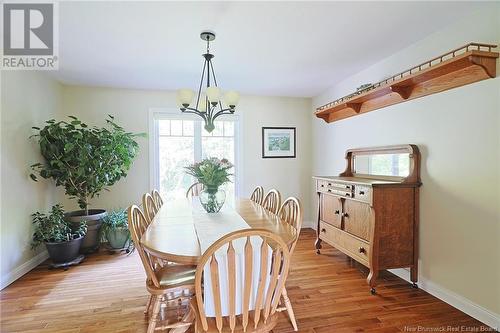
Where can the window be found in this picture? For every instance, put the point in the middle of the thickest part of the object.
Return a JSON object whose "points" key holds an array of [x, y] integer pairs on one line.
{"points": [[179, 140]]}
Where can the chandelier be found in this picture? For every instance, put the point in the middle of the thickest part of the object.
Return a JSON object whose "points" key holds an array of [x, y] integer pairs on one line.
{"points": [[208, 104]]}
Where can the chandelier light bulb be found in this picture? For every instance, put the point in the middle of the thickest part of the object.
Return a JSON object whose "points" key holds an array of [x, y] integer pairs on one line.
{"points": [[213, 94], [231, 98], [185, 97]]}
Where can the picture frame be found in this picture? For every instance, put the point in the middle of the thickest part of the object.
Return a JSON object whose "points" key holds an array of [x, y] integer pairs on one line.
{"points": [[279, 142]]}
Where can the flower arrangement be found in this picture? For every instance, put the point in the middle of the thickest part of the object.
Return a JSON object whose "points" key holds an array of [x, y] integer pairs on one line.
{"points": [[211, 172]]}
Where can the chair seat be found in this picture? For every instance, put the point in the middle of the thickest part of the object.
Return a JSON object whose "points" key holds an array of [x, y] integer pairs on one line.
{"points": [[175, 276]]}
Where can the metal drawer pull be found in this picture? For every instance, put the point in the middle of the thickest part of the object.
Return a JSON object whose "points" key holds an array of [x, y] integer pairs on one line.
{"points": [[337, 212], [345, 215], [348, 194], [323, 230], [361, 192], [362, 250], [329, 190]]}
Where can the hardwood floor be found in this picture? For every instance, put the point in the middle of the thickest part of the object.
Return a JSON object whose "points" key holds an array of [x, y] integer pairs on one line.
{"points": [[106, 293]]}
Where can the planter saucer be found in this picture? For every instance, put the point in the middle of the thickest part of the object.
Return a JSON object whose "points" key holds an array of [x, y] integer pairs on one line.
{"points": [[65, 265]]}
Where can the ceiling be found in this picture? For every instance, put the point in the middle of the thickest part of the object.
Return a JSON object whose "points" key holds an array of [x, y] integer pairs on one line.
{"points": [[262, 48]]}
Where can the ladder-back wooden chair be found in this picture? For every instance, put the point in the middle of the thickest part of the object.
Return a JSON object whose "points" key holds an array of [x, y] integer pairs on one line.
{"points": [[257, 195], [157, 198], [272, 201], [264, 316], [194, 190], [290, 212], [166, 284], [149, 206]]}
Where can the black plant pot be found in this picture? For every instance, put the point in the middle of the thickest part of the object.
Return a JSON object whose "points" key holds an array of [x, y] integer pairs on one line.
{"points": [[64, 252], [92, 239]]}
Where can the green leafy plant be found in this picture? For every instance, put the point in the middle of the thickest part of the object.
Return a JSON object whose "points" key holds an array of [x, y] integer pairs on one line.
{"points": [[116, 219], [84, 160], [211, 172], [52, 227]]}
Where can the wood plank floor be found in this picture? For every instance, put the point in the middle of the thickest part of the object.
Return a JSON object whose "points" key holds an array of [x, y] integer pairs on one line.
{"points": [[106, 293]]}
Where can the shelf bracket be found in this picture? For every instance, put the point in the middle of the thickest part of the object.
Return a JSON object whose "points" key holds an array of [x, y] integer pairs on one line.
{"points": [[403, 91], [356, 107], [488, 64]]}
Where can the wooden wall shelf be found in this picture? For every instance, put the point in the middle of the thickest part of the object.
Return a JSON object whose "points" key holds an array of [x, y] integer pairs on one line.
{"points": [[470, 63]]}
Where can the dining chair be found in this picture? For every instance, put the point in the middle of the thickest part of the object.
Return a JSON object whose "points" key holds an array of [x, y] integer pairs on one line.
{"points": [[272, 201], [263, 316], [290, 212], [166, 284], [150, 207], [257, 195], [194, 190], [157, 198]]}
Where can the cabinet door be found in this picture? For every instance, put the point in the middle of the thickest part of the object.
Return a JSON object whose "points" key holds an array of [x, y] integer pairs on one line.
{"points": [[331, 208], [357, 218]]}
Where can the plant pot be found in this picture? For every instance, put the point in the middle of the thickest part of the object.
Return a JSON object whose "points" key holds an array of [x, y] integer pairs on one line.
{"points": [[212, 199], [65, 251], [118, 238], [91, 241]]}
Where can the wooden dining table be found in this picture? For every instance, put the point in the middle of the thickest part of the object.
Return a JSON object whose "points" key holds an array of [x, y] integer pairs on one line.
{"points": [[172, 234]]}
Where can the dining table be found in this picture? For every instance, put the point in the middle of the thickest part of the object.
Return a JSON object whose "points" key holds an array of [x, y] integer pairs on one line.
{"points": [[173, 234]]}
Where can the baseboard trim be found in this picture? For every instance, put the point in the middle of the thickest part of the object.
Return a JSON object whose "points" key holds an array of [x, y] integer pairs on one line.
{"points": [[457, 301], [19, 271], [308, 224]]}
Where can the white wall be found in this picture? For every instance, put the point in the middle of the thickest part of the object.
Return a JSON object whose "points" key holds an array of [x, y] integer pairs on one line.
{"points": [[28, 99], [131, 108], [458, 132]]}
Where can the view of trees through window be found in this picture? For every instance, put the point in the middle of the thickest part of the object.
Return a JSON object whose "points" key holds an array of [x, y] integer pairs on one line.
{"points": [[182, 142], [383, 164]]}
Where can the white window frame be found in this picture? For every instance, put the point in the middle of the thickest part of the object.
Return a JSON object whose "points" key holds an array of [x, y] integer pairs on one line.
{"points": [[156, 114]]}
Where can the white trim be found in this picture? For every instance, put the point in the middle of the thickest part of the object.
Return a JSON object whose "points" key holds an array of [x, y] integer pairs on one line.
{"points": [[457, 301], [19, 271], [308, 224]]}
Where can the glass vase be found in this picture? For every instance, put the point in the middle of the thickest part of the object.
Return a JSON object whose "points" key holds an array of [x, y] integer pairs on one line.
{"points": [[212, 199]]}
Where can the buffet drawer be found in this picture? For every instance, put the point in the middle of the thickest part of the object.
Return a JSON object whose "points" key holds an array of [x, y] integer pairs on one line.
{"points": [[350, 245], [340, 189]]}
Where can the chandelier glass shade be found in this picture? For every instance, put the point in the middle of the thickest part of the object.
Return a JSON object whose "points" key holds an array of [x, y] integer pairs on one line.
{"points": [[210, 103]]}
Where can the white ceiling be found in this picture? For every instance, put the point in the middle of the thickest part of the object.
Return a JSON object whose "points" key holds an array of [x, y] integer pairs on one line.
{"points": [[262, 48]]}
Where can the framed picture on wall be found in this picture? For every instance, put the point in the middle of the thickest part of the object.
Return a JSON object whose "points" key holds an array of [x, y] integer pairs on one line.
{"points": [[278, 142]]}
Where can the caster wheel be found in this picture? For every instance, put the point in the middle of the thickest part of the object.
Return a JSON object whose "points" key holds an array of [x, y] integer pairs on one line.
{"points": [[372, 291], [414, 285], [127, 251]]}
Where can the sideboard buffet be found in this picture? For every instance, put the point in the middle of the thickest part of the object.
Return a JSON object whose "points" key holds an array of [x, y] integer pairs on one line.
{"points": [[373, 218]]}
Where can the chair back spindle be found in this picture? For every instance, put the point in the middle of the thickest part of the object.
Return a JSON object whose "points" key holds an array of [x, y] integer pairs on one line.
{"points": [[290, 212], [149, 206], [137, 224], [272, 201], [157, 198], [257, 195], [272, 272], [194, 190]]}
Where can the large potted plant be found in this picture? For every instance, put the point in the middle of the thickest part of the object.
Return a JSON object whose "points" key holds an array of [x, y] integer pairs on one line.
{"points": [[85, 161], [115, 229], [212, 173], [62, 240]]}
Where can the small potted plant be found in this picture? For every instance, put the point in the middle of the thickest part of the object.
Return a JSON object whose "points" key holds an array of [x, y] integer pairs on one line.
{"points": [[212, 173], [61, 239], [115, 229], [85, 161]]}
